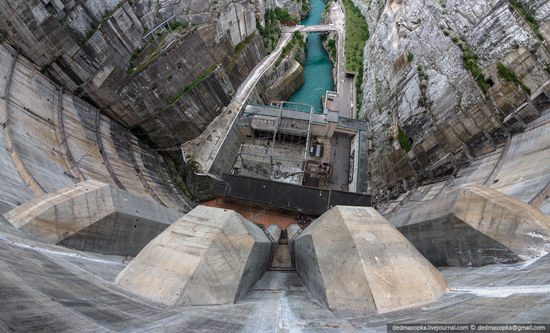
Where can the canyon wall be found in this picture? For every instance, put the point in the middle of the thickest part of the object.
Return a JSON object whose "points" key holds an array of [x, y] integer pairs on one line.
{"points": [[446, 81], [163, 69]]}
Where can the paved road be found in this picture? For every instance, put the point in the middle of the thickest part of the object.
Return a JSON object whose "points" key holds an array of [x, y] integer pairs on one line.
{"points": [[339, 21], [344, 86], [205, 147]]}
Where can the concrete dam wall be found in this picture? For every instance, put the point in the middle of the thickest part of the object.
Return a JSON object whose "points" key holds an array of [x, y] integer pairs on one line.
{"points": [[98, 232], [52, 139]]}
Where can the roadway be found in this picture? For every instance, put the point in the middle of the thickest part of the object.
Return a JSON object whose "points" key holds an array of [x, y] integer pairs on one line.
{"points": [[345, 86], [311, 28], [206, 146]]}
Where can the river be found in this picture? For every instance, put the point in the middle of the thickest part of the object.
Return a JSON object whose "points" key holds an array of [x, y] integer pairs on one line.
{"points": [[318, 67]]}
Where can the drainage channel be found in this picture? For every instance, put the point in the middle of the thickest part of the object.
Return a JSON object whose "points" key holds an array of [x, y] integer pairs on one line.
{"points": [[281, 259]]}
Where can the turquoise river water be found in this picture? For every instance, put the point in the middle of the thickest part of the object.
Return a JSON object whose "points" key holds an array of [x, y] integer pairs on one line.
{"points": [[318, 68]]}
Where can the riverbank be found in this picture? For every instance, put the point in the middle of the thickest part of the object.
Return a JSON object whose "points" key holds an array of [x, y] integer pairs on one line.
{"points": [[318, 75]]}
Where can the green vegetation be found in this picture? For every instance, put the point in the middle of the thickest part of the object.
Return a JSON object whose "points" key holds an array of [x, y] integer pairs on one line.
{"points": [[137, 51], [271, 32], [282, 15], [331, 44], [471, 63], [296, 41], [328, 5], [175, 25], [507, 74], [357, 34], [423, 101], [410, 57], [238, 50], [154, 49], [241, 46], [470, 60], [195, 83], [404, 141], [528, 15], [306, 8]]}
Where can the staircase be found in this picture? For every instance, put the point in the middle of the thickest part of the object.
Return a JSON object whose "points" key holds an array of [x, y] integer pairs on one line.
{"points": [[281, 259]]}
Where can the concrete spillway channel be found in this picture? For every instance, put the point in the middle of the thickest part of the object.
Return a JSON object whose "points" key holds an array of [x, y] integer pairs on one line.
{"points": [[350, 260], [279, 258]]}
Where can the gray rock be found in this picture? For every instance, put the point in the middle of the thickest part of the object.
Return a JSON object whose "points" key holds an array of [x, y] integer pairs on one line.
{"points": [[456, 111]]}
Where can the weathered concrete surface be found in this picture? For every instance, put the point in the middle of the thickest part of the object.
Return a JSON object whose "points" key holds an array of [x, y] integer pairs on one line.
{"points": [[275, 232], [209, 256], [351, 258], [293, 231], [519, 167], [93, 216], [58, 139], [475, 226], [525, 166], [90, 47], [281, 257]]}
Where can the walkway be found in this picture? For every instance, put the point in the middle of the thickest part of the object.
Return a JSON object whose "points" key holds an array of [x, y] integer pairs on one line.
{"points": [[206, 146]]}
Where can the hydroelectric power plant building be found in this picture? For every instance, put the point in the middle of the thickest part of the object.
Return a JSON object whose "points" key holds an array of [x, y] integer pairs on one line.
{"points": [[154, 178]]}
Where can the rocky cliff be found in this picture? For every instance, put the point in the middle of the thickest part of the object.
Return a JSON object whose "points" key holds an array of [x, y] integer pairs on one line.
{"points": [[446, 81], [295, 7], [287, 76], [164, 69]]}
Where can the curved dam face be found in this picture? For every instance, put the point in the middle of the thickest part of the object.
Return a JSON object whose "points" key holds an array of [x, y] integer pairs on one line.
{"points": [[101, 228], [52, 140]]}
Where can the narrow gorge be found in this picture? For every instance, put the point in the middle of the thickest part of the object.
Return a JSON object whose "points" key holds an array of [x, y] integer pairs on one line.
{"points": [[274, 165]]}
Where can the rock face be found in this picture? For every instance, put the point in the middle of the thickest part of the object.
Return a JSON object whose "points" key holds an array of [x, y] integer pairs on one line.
{"points": [[209, 256], [431, 77], [351, 258], [177, 78], [475, 226], [93, 216], [282, 82]]}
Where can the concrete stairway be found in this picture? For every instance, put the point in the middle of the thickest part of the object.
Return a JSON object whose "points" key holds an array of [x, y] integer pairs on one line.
{"points": [[281, 260]]}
